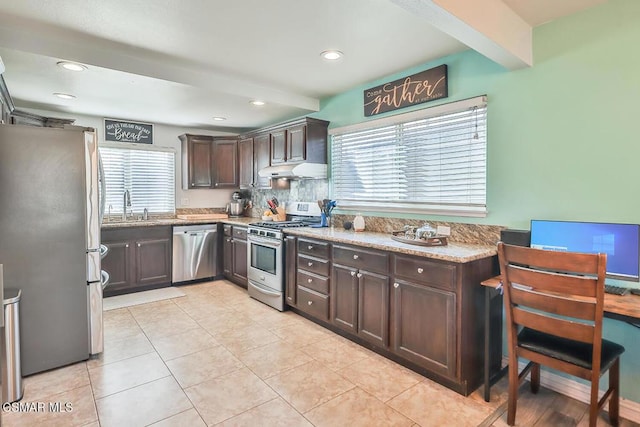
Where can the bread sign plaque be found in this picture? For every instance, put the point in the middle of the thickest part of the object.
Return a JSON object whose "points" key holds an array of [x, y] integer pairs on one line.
{"points": [[122, 131]]}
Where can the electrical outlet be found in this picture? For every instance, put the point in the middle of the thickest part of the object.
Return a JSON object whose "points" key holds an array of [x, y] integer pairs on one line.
{"points": [[443, 230], [184, 201]]}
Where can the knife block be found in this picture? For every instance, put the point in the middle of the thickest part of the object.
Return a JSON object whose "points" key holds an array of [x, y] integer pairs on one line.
{"points": [[281, 216]]}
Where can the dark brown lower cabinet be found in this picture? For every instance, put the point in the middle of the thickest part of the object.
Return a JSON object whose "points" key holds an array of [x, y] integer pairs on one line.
{"points": [[240, 261], [139, 258], [152, 258], [290, 269], [424, 326], [234, 254], [424, 312], [373, 307], [344, 298]]}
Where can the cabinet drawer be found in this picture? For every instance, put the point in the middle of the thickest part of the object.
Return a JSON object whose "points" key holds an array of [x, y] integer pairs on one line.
{"points": [[227, 229], [240, 233], [377, 262], [314, 265], [313, 303], [313, 247], [312, 281], [425, 272]]}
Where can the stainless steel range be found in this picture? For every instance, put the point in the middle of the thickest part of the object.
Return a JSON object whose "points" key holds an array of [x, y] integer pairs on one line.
{"points": [[265, 255]]}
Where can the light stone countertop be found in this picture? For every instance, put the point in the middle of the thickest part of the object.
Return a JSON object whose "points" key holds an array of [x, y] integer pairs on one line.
{"points": [[176, 221], [454, 252]]}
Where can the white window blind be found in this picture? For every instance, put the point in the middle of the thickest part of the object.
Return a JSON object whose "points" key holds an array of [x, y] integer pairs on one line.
{"points": [[432, 161], [149, 175]]}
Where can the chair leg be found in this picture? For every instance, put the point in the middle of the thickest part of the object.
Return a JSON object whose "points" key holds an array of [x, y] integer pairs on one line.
{"points": [[614, 399], [593, 403], [535, 378], [513, 392]]}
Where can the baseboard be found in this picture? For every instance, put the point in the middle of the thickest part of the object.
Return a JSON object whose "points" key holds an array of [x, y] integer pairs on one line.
{"points": [[629, 409]]}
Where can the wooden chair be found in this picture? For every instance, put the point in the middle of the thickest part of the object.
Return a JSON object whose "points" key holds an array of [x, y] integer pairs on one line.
{"points": [[554, 307]]}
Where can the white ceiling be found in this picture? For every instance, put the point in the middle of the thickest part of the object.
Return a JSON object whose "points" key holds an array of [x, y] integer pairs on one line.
{"points": [[183, 62]]}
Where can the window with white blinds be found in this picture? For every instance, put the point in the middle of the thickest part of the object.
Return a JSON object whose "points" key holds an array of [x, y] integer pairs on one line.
{"points": [[149, 175], [428, 161]]}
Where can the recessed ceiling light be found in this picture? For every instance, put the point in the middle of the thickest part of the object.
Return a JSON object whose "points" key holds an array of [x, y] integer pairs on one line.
{"points": [[257, 102], [219, 119], [64, 95], [72, 66], [331, 55]]}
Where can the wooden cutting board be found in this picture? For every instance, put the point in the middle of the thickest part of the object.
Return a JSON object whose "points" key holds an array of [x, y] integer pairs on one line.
{"points": [[202, 216]]}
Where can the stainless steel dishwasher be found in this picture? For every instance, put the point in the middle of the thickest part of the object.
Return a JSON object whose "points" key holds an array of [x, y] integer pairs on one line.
{"points": [[194, 252]]}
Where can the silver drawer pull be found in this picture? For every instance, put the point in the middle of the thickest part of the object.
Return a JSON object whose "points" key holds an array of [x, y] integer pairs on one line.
{"points": [[309, 280], [309, 263], [359, 275], [353, 273], [395, 285], [420, 270], [138, 244], [126, 246], [309, 247], [309, 302], [355, 257]]}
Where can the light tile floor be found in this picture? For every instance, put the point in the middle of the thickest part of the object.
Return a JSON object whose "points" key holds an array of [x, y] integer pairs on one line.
{"points": [[218, 357]]}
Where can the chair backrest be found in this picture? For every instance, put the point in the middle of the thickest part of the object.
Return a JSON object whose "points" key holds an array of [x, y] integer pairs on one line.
{"points": [[559, 293]]}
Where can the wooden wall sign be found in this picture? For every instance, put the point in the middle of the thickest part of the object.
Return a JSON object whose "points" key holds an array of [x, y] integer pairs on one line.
{"points": [[422, 87], [123, 131]]}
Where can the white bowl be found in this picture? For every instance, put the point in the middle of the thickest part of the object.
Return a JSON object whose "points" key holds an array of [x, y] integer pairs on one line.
{"points": [[267, 218]]}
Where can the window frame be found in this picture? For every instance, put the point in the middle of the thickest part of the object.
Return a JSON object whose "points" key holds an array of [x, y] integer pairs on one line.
{"points": [[117, 208], [420, 207]]}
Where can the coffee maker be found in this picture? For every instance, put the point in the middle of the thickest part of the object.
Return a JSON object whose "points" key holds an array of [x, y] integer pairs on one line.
{"points": [[237, 204]]}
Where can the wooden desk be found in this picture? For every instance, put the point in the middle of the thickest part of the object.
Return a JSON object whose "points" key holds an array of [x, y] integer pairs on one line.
{"points": [[625, 308]]}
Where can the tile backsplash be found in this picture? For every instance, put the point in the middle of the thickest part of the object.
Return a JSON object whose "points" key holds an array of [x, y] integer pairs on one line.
{"points": [[305, 190]]}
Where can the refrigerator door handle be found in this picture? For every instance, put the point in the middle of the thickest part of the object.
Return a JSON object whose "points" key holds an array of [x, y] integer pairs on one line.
{"points": [[104, 279], [102, 194], [91, 190]]}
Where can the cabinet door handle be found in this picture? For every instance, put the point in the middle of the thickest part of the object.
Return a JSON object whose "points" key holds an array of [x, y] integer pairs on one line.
{"points": [[216, 184], [420, 270], [228, 240], [126, 246], [309, 302], [355, 257], [309, 263], [138, 244], [309, 280], [353, 273], [395, 285], [310, 247], [359, 275], [193, 184]]}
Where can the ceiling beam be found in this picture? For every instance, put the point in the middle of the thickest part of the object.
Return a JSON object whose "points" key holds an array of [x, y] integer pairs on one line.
{"points": [[43, 39], [489, 27]]}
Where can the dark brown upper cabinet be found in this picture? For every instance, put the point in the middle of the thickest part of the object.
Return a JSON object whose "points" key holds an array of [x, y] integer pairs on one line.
{"points": [[245, 163], [299, 141], [209, 162]]}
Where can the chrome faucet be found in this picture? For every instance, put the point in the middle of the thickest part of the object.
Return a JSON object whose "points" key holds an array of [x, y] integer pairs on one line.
{"points": [[125, 203]]}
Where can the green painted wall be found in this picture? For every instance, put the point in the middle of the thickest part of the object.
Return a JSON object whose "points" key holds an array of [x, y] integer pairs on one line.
{"points": [[563, 136]]}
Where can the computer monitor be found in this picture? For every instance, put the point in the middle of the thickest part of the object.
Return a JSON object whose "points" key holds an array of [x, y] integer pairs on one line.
{"points": [[621, 243]]}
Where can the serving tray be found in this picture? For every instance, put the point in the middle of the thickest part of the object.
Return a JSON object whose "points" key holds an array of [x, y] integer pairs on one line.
{"points": [[398, 236]]}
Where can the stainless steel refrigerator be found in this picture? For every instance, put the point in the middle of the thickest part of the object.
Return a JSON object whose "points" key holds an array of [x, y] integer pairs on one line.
{"points": [[49, 241]]}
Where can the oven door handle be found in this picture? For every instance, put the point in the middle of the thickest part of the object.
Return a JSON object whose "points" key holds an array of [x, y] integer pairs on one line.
{"points": [[269, 242], [263, 290]]}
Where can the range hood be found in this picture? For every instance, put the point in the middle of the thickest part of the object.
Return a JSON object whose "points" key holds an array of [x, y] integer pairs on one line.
{"points": [[293, 171]]}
